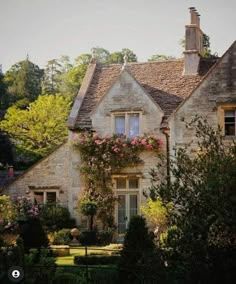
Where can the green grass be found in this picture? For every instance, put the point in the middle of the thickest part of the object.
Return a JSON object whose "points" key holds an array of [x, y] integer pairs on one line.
{"points": [[69, 260]]}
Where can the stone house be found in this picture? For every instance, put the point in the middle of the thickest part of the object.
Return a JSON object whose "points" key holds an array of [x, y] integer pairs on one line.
{"points": [[137, 98]]}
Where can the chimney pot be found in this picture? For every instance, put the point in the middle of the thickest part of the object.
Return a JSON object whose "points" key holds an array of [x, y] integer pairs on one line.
{"points": [[11, 172]]}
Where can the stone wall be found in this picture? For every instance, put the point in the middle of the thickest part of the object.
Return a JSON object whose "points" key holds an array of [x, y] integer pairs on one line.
{"points": [[217, 90], [51, 173]]}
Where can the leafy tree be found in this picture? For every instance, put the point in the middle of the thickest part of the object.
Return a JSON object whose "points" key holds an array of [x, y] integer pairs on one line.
{"points": [[3, 92], [161, 57], [41, 126], [156, 216], [52, 73], [23, 82], [89, 208], [118, 56], [203, 217]]}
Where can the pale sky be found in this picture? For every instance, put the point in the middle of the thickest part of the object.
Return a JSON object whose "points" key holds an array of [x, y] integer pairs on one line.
{"points": [[47, 29]]}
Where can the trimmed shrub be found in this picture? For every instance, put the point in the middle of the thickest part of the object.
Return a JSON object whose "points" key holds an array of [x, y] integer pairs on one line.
{"points": [[104, 237], [56, 217], [97, 260], [62, 237], [33, 234], [88, 238]]}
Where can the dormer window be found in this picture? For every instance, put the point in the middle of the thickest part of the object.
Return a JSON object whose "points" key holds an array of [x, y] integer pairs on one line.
{"points": [[127, 124]]}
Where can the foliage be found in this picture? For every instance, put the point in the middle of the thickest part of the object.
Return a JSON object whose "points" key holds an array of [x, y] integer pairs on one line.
{"points": [[3, 92], [41, 126], [62, 237], [39, 258], [88, 208], [104, 237], [161, 57], [32, 234], [55, 216], [203, 215], [25, 208], [7, 212], [156, 216], [88, 238], [23, 82], [102, 155], [138, 260], [118, 56]]}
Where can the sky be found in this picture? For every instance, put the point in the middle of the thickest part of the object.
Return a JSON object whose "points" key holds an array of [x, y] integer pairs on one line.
{"points": [[48, 29]]}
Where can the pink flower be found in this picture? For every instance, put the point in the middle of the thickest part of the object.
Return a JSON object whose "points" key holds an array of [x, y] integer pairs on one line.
{"points": [[124, 145], [144, 142], [149, 147], [95, 136], [97, 142], [133, 142], [116, 150]]}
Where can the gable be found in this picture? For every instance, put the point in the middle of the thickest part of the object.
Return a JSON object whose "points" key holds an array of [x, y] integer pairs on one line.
{"points": [[163, 81], [217, 87], [126, 94]]}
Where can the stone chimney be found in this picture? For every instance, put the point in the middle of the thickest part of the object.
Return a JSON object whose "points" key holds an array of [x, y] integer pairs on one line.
{"points": [[193, 44]]}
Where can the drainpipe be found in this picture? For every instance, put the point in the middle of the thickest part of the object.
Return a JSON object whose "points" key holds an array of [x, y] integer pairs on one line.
{"points": [[166, 132]]}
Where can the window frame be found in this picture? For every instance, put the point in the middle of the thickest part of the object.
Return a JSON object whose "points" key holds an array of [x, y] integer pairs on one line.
{"points": [[127, 178], [221, 117], [127, 114], [45, 195]]}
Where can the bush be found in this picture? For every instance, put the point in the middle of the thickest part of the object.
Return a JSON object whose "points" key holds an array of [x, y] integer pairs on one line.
{"points": [[88, 238], [97, 260], [138, 261], [33, 234], [56, 217], [104, 237], [62, 237]]}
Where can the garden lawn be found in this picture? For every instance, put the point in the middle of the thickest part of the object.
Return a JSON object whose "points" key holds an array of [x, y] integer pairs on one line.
{"points": [[80, 251]]}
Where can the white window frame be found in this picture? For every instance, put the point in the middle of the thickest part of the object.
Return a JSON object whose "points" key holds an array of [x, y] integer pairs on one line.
{"points": [[126, 115], [45, 194]]}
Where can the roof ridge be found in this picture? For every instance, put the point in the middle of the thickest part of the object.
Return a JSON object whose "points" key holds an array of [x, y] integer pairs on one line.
{"points": [[140, 63]]}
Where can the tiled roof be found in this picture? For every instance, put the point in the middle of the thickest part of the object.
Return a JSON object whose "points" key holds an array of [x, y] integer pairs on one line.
{"points": [[164, 81]]}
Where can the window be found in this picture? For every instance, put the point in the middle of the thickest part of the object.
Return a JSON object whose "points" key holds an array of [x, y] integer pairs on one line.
{"points": [[127, 190], [43, 197], [124, 183], [229, 122], [128, 124]]}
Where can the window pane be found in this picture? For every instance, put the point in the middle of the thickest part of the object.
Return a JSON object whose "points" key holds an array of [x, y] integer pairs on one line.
{"points": [[51, 197], [133, 125], [133, 183], [229, 122], [120, 183], [133, 205], [38, 197], [120, 124], [122, 214]]}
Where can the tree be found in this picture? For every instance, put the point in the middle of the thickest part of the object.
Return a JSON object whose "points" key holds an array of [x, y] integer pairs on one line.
{"points": [[41, 126], [118, 56], [3, 92], [203, 217], [23, 82], [52, 73], [161, 57], [156, 216]]}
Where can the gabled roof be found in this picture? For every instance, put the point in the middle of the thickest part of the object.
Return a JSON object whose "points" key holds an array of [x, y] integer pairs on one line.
{"points": [[208, 74], [124, 73], [164, 81]]}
